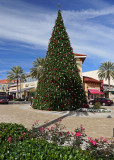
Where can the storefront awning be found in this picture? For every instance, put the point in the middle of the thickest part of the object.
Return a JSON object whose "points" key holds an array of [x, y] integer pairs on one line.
{"points": [[22, 90], [95, 91], [26, 89]]}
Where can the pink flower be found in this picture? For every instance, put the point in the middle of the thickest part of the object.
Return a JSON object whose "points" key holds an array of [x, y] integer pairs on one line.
{"points": [[105, 140], [24, 133], [101, 138], [90, 139], [4, 129], [94, 142], [9, 139], [52, 128], [19, 137], [72, 133], [68, 132], [42, 128], [48, 129], [78, 134]]}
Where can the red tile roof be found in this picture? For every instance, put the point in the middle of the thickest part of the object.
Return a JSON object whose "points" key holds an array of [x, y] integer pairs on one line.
{"points": [[79, 54], [89, 79], [5, 81]]}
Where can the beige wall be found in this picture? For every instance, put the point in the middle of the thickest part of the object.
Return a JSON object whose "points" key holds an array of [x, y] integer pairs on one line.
{"points": [[13, 88], [94, 74], [88, 85], [3, 87], [30, 84], [79, 65]]}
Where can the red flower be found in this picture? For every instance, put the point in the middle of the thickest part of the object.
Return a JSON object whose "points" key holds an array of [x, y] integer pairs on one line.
{"points": [[78, 134], [42, 128], [72, 133], [52, 128], [4, 129], [9, 139], [94, 142], [24, 133]]}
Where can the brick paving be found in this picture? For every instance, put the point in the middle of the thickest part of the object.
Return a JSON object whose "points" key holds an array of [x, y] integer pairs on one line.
{"points": [[96, 126]]}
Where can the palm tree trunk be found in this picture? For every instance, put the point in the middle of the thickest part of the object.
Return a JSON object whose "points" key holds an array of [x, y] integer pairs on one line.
{"points": [[109, 83], [109, 87], [17, 89], [20, 88]]}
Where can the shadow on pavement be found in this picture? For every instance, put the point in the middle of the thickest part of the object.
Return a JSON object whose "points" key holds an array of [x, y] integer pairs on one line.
{"points": [[62, 117]]}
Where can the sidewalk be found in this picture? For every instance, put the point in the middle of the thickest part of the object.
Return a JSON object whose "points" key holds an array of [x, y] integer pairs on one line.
{"points": [[96, 126]]}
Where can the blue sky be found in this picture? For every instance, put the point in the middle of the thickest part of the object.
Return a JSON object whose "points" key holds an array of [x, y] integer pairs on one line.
{"points": [[26, 26]]}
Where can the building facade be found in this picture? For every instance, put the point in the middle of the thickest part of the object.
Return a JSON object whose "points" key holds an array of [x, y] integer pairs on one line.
{"points": [[80, 58], [4, 86], [108, 92], [92, 87]]}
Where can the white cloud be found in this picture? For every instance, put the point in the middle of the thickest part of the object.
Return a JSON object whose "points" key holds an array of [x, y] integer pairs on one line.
{"points": [[3, 71], [33, 26], [90, 13]]}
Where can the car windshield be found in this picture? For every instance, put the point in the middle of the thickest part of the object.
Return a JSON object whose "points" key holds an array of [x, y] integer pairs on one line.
{"points": [[3, 97]]}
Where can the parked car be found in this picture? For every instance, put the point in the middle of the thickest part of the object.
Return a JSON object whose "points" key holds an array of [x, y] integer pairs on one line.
{"points": [[9, 97], [3, 100], [103, 101]]}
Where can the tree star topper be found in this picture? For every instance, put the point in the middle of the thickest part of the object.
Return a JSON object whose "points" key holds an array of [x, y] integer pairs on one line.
{"points": [[59, 6]]}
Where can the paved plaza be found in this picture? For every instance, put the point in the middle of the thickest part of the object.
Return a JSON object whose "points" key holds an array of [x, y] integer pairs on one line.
{"points": [[96, 125]]}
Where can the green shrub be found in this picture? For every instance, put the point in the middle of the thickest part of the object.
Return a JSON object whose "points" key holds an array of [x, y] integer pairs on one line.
{"points": [[10, 133], [17, 142], [41, 150], [97, 105], [101, 148]]}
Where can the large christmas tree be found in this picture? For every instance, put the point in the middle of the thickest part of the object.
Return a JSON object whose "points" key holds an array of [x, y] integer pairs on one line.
{"points": [[60, 87]]}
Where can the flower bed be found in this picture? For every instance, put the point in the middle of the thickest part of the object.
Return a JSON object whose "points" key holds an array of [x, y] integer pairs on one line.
{"points": [[17, 142]]}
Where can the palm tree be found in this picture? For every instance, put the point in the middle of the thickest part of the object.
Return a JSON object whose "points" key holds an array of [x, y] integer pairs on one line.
{"points": [[15, 74], [106, 70], [37, 69]]}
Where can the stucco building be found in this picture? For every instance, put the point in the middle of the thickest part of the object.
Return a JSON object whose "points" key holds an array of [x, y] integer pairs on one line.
{"points": [[4, 86], [108, 92], [92, 87], [80, 58]]}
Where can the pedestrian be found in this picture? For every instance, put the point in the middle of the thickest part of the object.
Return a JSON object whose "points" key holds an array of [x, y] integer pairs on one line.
{"points": [[26, 99]]}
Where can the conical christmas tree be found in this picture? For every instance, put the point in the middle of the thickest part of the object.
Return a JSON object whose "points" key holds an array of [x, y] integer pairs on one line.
{"points": [[60, 87]]}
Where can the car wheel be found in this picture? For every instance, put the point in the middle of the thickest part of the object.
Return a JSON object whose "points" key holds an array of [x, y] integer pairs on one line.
{"points": [[104, 104], [90, 103]]}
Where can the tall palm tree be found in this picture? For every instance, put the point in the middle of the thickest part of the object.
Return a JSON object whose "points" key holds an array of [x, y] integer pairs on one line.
{"points": [[15, 74], [106, 71], [37, 69]]}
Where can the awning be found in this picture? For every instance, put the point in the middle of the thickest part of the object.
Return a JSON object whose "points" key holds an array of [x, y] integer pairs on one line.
{"points": [[12, 91], [22, 90], [95, 91], [101, 93], [26, 89]]}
